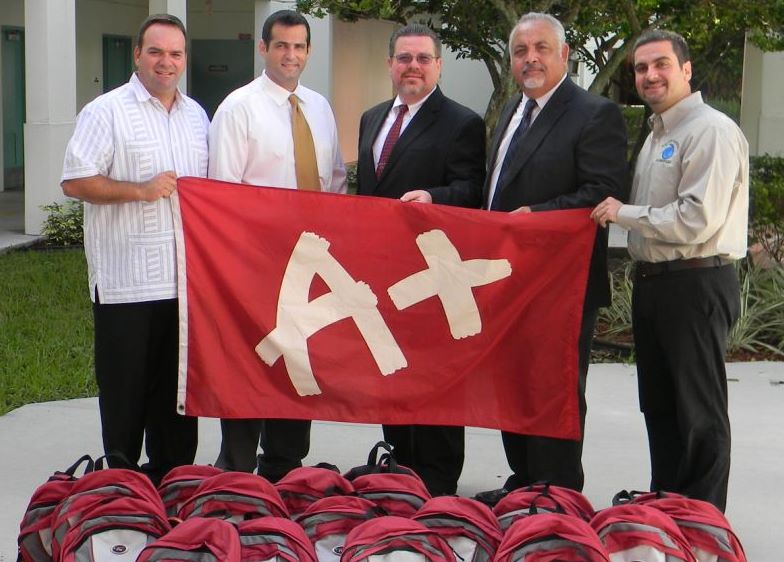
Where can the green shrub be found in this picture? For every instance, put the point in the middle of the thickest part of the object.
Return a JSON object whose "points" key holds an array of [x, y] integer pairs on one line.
{"points": [[63, 226], [760, 325], [351, 177], [616, 319], [728, 106], [767, 204]]}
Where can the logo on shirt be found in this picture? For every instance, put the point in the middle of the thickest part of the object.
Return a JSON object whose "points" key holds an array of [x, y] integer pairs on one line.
{"points": [[668, 152]]}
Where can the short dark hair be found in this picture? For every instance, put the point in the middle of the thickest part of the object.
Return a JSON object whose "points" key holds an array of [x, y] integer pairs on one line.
{"points": [[414, 30], [162, 19], [287, 18], [679, 45]]}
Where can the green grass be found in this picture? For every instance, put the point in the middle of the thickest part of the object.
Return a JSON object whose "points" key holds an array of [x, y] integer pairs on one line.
{"points": [[45, 328]]}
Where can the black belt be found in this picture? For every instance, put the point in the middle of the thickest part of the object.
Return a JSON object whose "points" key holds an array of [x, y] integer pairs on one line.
{"points": [[649, 269]]}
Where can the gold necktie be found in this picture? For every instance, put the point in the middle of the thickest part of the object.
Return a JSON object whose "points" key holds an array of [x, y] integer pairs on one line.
{"points": [[304, 149]]}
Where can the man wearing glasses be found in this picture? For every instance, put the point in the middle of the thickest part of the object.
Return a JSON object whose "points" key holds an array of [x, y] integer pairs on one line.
{"points": [[421, 146]]}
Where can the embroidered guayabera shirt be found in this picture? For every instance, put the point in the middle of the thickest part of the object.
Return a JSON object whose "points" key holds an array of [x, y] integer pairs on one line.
{"points": [[690, 193], [128, 135]]}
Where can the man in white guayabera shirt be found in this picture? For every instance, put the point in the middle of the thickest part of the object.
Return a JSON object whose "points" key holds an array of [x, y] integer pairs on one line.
{"points": [[128, 149]]}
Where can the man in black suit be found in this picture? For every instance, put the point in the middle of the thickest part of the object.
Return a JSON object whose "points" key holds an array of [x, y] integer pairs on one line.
{"points": [[555, 147], [421, 140]]}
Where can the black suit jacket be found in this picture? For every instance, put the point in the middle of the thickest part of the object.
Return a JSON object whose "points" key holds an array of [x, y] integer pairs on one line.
{"points": [[573, 155], [442, 150]]}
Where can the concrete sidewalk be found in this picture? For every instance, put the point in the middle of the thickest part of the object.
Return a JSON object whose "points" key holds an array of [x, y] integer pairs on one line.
{"points": [[38, 439]]}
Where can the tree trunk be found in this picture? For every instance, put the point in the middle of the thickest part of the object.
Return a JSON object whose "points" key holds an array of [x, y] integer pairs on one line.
{"points": [[497, 101]]}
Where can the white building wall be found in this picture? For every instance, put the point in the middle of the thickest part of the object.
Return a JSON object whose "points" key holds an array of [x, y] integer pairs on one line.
{"points": [[94, 19], [762, 111], [466, 81], [360, 76]]}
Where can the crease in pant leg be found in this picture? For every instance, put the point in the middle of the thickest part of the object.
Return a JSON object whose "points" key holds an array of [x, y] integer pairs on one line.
{"points": [[702, 388], [284, 444], [170, 438], [239, 444], [401, 437], [704, 307], [120, 360], [439, 455], [655, 385]]}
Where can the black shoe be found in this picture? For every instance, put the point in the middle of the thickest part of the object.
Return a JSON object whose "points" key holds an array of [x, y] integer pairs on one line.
{"points": [[491, 497]]}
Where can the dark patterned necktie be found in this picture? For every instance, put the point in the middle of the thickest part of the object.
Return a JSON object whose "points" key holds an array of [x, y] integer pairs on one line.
{"points": [[389, 142], [525, 122]]}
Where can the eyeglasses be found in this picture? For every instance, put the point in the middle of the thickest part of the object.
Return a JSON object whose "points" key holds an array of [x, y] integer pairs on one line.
{"points": [[422, 58]]}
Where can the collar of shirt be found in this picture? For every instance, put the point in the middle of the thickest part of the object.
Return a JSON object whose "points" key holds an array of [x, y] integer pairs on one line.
{"points": [[413, 108], [674, 115], [279, 94], [142, 95], [541, 101]]}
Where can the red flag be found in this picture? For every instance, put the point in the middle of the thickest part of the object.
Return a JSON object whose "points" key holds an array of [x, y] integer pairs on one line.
{"points": [[320, 306]]}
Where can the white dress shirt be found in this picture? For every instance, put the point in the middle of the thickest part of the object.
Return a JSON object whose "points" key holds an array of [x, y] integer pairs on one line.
{"points": [[251, 142], [128, 135], [511, 128], [413, 109]]}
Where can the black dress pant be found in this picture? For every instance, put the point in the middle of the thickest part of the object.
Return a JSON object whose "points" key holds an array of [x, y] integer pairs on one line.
{"points": [[284, 444], [681, 322], [434, 452], [558, 461], [136, 358]]}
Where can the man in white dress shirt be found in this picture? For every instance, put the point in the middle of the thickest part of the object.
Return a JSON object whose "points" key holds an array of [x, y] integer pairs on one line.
{"points": [[127, 150], [252, 141]]}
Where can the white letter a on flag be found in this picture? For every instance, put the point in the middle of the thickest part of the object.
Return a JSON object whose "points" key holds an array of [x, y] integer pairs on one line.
{"points": [[298, 318]]}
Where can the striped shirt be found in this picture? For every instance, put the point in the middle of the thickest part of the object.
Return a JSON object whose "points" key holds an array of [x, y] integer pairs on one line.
{"points": [[128, 135]]}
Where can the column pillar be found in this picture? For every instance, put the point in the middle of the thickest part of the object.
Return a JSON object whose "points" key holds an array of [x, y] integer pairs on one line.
{"points": [[177, 8], [50, 76]]}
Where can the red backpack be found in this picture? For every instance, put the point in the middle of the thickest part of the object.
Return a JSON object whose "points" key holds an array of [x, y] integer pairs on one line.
{"points": [[116, 530], [551, 537], [329, 520], [470, 527], [542, 498], [640, 532], [705, 528], [96, 488], [395, 539], [306, 484], [394, 488], [180, 482], [35, 533], [234, 496], [276, 539], [199, 539]]}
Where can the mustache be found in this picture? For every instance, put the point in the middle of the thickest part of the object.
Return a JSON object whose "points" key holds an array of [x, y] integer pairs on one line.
{"points": [[533, 66]]}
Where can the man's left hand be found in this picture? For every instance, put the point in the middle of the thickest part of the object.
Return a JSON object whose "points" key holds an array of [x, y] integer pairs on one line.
{"points": [[417, 196], [606, 211]]}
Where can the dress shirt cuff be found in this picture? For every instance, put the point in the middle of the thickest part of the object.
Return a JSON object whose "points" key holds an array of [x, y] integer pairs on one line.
{"points": [[629, 215]]}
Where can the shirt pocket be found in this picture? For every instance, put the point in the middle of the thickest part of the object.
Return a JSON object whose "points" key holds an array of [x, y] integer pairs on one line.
{"points": [[153, 259], [144, 159]]}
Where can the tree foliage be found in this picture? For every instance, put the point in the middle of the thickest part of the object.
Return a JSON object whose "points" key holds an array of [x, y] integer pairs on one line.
{"points": [[600, 32]]}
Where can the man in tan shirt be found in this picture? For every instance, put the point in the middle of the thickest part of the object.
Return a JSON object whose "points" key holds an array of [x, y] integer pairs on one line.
{"points": [[687, 224]]}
